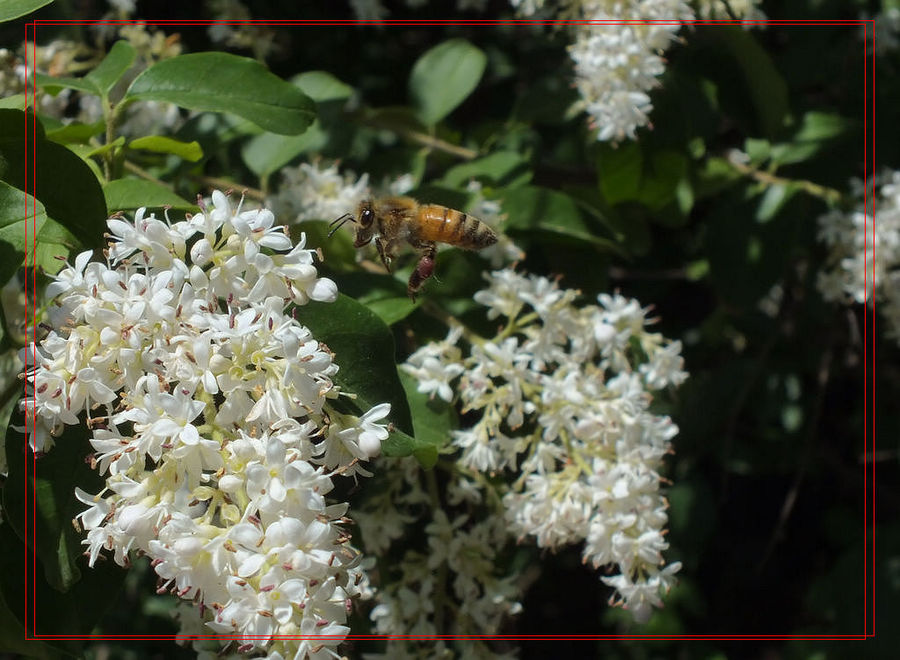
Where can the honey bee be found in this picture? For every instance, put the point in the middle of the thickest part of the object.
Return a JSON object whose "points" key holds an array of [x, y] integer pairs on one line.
{"points": [[391, 221]]}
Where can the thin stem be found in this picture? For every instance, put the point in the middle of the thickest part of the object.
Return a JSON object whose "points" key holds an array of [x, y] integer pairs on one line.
{"points": [[109, 116], [828, 194], [419, 137], [226, 184], [144, 174]]}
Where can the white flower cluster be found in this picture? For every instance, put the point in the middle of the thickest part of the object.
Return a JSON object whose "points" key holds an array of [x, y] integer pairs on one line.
{"points": [[445, 583], [865, 250], [564, 395], [210, 409], [312, 192], [616, 65]]}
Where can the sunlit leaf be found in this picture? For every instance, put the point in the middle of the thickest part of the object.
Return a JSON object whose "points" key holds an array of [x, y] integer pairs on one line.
{"points": [[444, 77], [222, 82]]}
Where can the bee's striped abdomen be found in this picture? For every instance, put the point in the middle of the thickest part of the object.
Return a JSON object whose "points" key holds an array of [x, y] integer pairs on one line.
{"points": [[446, 225]]}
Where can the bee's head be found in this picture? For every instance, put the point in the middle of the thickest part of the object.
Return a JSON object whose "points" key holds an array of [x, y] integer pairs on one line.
{"points": [[365, 216], [364, 220], [365, 223]]}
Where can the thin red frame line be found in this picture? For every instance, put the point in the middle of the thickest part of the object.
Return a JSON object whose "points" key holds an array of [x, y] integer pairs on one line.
{"points": [[412, 22], [459, 21], [547, 637]]}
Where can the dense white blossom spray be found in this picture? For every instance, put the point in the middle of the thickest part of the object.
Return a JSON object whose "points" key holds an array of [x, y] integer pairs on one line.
{"points": [[211, 414]]}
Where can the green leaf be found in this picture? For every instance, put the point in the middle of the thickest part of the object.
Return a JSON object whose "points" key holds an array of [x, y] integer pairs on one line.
{"points": [[773, 200], [113, 67], [392, 310], [20, 217], [189, 151], [713, 176], [113, 146], [75, 132], [65, 185], [13, 556], [49, 485], [54, 85], [11, 9], [433, 418], [444, 77], [495, 169], [364, 349], [16, 101], [662, 174], [817, 131], [619, 170], [758, 150], [533, 208], [322, 86], [129, 194], [227, 83], [767, 88], [39, 502], [268, 153]]}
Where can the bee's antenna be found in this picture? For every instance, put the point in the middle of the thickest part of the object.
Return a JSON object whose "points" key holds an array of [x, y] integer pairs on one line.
{"points": [[338, 223]]}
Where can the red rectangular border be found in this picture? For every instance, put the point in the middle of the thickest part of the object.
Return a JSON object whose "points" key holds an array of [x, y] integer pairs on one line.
{"points": [[868, 406]]}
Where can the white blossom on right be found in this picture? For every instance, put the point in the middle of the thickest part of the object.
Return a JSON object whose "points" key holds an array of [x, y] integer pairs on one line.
{"points": [[864, 249], [563, 395]]}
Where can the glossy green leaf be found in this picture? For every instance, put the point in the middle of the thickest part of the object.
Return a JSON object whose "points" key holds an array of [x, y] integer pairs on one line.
{"points": [[84, 151], [392, 310], [496, 169], [20, 217], [817, 131], [50, 487], [64, 587], [773, 200], [14, 557], [189, 151], [533, 208], [16, 102], [227, 83], [269, 152], [758, 150], [433, 418], [713, 176], [364, 349], [662, 174], [113, 67], [619, 171], [75, 132], [322, 86], [10, 9], [113, 147], [54, 85], [444, 77], [130, 194], [65, 185]]}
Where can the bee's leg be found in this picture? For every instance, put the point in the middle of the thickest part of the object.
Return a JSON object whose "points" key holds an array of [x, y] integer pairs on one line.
{"points": [[423, 270], [383, 253]]}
